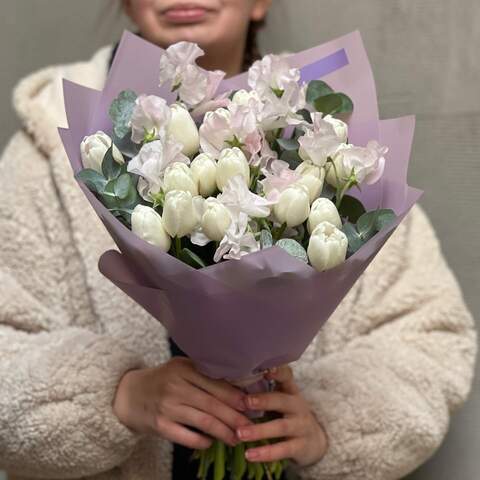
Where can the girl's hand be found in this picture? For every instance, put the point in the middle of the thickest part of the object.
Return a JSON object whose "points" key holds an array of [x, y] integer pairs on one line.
{"points": [[167, 399], [303, 440]]}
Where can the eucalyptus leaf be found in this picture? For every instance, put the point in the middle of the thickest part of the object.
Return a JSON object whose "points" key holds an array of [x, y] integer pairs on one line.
{"points": [[305, 114], [110, 168], [355, 241], [191, 258], [121, 111], [92, 179], [328, 191], [385, 218], [293, 248], [328, 104], [351, 208], [122, 187], [367, 224], [288, 144], [347, 104], [292, 158], [317, 89], [125, 144], [266, 239]]}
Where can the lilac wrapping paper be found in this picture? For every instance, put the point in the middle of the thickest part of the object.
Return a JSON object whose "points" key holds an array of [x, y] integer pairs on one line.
{"points": [[237, 318]]}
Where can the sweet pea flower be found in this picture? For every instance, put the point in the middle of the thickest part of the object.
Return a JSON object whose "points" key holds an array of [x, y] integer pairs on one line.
{"points": [[239, 199], [272, 74], [278, 177], [319, 142], [150, 117], [340, 127], [152, 161], [148, 225], [94, 147], [193, 84], [238, 240], [327, 247], [366, 164]]}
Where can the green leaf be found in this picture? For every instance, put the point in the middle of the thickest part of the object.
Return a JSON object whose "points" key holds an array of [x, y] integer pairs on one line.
{"points": [[347, 104], [317, 89], [288, 144], [305, 114], [329, 192], [266, 239], [121, 111], [328, 104], [355, 241], [122, 187], [367, 224], [293, 248], [191, 258], [92, 179], [351, 208], [110, 168], [385, 218], [125, 144], [292, 158], [258, 471]]}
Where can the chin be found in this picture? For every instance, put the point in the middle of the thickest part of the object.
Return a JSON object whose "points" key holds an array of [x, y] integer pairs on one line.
{"points": [[200, 34]]}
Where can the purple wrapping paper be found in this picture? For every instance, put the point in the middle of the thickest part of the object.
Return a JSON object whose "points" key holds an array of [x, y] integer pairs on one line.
{"points": [[237, 318]]}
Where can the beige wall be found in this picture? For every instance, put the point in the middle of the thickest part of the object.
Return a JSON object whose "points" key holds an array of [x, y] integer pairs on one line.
{"points": [[425, 58]]}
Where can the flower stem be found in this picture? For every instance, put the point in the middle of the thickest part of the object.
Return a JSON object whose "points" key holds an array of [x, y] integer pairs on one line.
{"points": [[178, 246], [280, 232]]}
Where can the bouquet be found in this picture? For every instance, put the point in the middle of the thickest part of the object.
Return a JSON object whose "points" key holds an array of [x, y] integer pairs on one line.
{"points": [[244, 209]]}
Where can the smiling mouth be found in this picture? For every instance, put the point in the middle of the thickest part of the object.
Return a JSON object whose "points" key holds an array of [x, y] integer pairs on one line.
{"points": [[187, 13]]}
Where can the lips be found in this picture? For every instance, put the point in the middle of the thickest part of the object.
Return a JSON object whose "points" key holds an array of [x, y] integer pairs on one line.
{"points": [[185, 13]]}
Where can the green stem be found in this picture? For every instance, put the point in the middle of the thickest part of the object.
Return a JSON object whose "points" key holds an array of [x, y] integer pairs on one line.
{"points": [[178, 246], [280, 232]]}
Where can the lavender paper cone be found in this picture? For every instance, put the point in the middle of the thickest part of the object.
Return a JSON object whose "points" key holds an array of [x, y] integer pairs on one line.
{"points": [[237, 318]]}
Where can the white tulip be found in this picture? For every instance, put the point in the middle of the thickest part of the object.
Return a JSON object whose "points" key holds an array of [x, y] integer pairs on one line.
{"points": [[341, 128], [293, 205], [94, 147], [232, 162], [204, 174], [148, 225], [183, 129], [312, 177], [178, 177], [323, 210], [179, 214], [215, 220], [327, 247]]}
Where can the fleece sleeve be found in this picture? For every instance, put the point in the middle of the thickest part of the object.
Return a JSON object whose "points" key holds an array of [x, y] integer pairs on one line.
{"points": [[385, 397]]}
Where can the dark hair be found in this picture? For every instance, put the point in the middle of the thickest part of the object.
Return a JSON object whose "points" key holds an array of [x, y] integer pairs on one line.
{"points": [[252, 51]]}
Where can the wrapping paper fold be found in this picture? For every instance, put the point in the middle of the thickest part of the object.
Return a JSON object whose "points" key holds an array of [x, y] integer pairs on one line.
{"points": [[237, 318]]}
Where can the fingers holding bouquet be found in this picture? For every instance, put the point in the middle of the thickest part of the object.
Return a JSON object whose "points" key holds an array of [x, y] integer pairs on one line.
{"points": [[299, 435]]}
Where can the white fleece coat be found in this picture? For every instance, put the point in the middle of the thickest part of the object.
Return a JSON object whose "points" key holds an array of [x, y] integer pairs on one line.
{"points": [[383, 376]]}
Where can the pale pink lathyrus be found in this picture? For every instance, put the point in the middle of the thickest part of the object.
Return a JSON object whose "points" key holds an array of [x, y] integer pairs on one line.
{"points": [[238, 241], [232, 126], [193, 84], [152, 161], [319, 142], [278, 177], [366, 163], [237, 197], [150, 116]]}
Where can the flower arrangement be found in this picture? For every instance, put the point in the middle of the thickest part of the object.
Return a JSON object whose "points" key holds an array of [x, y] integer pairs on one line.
{"points": [[215, 177]]}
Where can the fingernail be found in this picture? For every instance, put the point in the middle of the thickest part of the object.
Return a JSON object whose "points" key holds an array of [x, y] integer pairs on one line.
{"points": [[251, 455], [243, 433], [253, 402]]}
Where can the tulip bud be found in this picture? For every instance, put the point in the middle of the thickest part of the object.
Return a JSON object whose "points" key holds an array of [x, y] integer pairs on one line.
{"points": [[327, 247], [312, 177], [94, 147], [148, 225], [215, 220], [178, 177], [293, 205], [204, 173], [183, 129], [232, 162], [179, 214], [323, 210], [341, 128]]}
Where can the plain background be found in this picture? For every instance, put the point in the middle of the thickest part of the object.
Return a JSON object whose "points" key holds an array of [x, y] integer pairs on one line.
{"points": [[425, 59]]}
